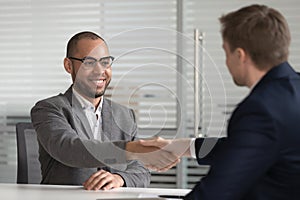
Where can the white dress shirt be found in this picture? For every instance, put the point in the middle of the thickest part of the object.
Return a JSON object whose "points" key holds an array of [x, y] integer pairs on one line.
{"points": [[92, 114]]}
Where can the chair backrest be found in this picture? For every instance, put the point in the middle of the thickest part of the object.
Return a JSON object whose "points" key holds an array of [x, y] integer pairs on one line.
{"points": [[29, 169]]}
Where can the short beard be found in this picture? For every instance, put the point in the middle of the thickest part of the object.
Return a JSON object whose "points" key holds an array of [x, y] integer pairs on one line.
{"points": [[91, 93], [99, 94]]}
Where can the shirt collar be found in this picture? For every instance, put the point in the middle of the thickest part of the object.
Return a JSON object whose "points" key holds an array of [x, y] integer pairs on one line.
{"points": [[253, 86], [85, 104]]}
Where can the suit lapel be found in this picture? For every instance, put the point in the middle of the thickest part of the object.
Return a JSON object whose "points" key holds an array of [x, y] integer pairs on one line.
{"points": [[83, 121], [106, 120], [78, 114]]}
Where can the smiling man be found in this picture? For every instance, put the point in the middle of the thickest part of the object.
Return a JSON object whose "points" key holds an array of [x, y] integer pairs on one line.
{"points": [[81, 134]]}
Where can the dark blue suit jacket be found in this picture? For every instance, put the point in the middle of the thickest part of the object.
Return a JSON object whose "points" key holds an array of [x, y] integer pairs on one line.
{"points": [[260, 158]]}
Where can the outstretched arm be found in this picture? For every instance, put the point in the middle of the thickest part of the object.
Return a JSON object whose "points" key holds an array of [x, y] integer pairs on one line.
{"points": [[179, 147], [152, 157]]}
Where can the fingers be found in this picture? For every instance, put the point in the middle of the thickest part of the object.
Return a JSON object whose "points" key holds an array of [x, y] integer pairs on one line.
{"points": [[154, 168], [92, 182], [169, 166], [137, 147], [156, 142], [103, 180], [167, 160], [179, 147], [159, 161], [165, 168], [155, 158]]}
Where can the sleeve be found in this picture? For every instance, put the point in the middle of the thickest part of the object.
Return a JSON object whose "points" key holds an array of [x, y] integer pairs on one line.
{"points": [[238, 162], [135, 175], [61, 141], [205, 149]]}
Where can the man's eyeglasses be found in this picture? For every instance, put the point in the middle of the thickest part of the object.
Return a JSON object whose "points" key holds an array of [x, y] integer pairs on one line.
{"points": [[90, 62]]}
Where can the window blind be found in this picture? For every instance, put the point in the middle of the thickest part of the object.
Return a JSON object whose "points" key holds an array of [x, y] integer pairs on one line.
{"points": [[33, 40]]}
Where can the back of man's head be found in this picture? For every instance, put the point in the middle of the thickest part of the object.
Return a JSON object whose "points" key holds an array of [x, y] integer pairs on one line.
{"points": [[261, 31]]}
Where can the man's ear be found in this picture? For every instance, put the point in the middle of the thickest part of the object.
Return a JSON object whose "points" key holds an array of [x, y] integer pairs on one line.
{"points": [[241, 55], [68, 65]]}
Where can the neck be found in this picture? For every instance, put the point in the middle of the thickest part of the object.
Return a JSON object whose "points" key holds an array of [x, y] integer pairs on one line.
{"points": [[254, 74], [253, 78], [94, 101]]}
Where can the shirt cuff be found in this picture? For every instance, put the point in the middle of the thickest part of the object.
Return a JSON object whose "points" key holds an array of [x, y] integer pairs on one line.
{"points": [[192, 148]]}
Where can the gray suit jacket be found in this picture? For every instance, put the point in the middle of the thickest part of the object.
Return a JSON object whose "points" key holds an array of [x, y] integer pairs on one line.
{"points": [[69, 154]]}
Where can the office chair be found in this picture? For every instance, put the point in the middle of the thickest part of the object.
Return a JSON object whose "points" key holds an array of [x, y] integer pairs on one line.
{"points": [[29, 169]]}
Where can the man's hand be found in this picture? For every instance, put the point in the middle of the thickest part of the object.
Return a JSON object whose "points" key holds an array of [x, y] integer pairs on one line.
{"points": [[152, 157], [103, 180], [179, 147]]}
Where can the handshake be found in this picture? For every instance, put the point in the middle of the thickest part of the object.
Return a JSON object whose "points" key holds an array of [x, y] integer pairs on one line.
{"points": [[158, 154]]}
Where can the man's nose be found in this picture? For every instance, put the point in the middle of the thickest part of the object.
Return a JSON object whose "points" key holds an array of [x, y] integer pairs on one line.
{"points": [[99, 68]]}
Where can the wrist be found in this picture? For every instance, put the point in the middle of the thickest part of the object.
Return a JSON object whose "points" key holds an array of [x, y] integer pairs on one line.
{"points": [[179, 147], [119, 179], [129, 148]]}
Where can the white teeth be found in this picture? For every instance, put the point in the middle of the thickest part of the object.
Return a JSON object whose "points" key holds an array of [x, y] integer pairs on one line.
{"points": [[99, 81]]}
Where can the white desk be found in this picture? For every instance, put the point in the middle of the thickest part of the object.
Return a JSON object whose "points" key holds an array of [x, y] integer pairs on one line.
{"points": [[57, 192]]}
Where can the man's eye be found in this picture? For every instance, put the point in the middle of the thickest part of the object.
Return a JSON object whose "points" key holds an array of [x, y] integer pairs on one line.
{"points": [[104, 63], [89, 62]]}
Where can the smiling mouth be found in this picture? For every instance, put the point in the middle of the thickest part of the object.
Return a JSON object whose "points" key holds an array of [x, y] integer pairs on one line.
{"points": [[99, 82]]}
